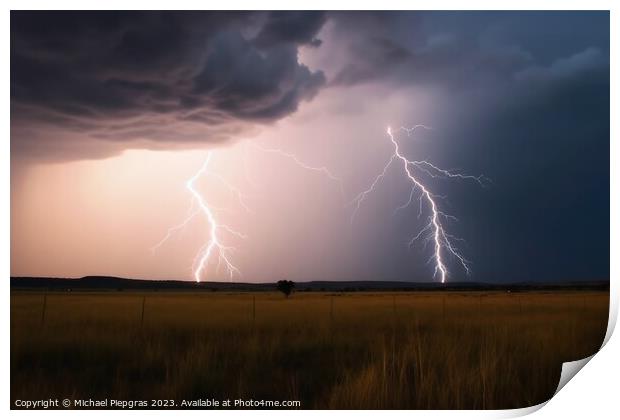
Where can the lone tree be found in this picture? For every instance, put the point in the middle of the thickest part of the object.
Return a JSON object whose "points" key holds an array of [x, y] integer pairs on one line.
{"points": [[286, 287]]}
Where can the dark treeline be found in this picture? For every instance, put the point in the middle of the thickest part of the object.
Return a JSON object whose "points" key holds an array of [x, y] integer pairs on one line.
{"points": [[119, 284]]}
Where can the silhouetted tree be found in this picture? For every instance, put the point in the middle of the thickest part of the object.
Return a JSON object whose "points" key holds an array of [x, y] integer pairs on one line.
{"points": [[286, 287]]}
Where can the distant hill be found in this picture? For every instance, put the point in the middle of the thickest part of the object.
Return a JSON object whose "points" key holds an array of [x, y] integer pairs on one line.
{"points": [[116, 283]]}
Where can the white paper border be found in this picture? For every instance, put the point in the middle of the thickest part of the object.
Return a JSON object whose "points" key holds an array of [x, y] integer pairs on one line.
{"points": [[592, 394]]}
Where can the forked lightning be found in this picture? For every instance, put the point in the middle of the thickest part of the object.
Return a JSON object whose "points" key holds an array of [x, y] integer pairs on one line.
{"points": [[434, 230]]}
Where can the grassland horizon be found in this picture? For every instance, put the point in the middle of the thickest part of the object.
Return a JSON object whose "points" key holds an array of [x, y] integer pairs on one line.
{"points": [[362, 350]]}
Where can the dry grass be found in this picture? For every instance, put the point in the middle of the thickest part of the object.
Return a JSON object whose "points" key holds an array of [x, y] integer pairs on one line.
{"points": [[372, 350]]}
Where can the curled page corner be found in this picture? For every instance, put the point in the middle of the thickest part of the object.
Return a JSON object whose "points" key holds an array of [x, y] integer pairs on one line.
{"points": [[569, 370]]}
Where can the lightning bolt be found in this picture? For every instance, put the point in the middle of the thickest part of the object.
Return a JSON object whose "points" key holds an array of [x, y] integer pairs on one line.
{"points": [[434, 230], [215, 245]]}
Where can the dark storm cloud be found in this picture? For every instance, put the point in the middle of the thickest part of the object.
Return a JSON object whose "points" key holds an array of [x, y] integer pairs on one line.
{"points": [[156, 76], [465, 50], [294, 27]]}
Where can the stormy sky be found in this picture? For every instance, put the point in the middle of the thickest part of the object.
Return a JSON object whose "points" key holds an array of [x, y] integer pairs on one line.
{"points": [[111, 113]]}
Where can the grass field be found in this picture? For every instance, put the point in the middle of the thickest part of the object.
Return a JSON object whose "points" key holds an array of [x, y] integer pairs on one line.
{"points": [[357, 350]]}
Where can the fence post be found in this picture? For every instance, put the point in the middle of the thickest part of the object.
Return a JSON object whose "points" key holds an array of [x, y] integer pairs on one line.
{"points": [[394, 305], [44, 308], [253, 310], [142, 314], [443, 308]]}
